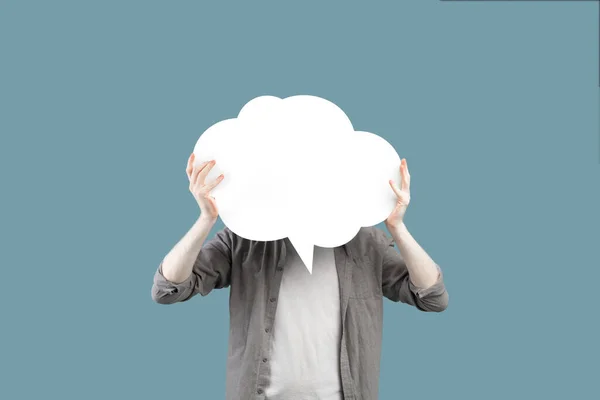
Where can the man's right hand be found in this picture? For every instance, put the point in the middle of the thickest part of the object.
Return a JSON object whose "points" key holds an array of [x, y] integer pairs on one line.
{"points": [[201, 190]]}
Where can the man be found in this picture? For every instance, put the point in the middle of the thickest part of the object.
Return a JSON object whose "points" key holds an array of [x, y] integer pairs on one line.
{"points": [[293, 335]]}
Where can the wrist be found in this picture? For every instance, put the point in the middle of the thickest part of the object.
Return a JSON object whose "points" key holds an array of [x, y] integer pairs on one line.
{"points": [[397, 230], [395, 225], [207, 219]]}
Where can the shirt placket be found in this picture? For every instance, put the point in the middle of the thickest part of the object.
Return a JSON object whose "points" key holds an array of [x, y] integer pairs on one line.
{"points": [[343, 259], [264, 366]]}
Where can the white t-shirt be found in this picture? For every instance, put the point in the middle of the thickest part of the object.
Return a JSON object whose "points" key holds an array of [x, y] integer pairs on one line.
{"points": [[307, 328]]}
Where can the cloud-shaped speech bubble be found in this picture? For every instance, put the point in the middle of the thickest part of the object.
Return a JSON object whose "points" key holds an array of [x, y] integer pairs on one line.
{"points": [[296, 168]]}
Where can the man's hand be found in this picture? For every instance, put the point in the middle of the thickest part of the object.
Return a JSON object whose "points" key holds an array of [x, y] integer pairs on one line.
{"points": [[395, 219], [423, 271], [201, 190]]}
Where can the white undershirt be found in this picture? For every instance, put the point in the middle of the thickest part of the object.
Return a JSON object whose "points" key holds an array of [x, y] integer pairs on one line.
{"points": [[307, 329]]}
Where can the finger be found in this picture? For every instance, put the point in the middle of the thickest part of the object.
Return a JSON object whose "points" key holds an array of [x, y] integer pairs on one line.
{"points": [[214, 183], [213, 202], [202, 175], [398, 192], [196, 172], [404, 175], [396, 189], [190, 166]]}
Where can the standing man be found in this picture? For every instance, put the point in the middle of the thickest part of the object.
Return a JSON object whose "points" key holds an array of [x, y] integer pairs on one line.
{"points": [[293, 335]]}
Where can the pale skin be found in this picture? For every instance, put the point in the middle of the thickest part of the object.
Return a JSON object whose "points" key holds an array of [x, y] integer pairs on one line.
{"points": [[178, 263], [422, 270]]}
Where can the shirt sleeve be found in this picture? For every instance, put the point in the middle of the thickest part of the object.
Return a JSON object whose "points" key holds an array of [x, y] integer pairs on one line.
{"points": [[396, 283], [211, 270]]}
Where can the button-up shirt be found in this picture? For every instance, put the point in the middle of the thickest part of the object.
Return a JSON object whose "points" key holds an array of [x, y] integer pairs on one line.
{"points": [[369, 268]]}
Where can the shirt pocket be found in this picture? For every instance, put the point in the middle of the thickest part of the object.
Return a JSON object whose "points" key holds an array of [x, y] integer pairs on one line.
{"points": [[258, 260], [365, 281], [249, 262]]}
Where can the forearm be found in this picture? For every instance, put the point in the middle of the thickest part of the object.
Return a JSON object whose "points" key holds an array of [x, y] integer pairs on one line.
{"points": [[422, 269], [178, 263]]}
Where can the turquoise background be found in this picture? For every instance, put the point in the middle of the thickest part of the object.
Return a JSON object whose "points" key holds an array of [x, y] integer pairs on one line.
{"points": [[494, 104]]}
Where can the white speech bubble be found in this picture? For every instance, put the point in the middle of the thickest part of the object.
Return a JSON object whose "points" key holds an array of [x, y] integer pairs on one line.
{"points": [[296, 168]]}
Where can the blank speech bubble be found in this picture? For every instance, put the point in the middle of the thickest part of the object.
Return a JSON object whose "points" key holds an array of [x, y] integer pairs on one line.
{"points": [[296, 168]]}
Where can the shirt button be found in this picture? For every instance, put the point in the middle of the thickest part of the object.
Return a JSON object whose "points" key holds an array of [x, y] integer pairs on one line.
{"points": [[272, 299], [279, 269], [267, 330], [264, 360], [259, 391]]}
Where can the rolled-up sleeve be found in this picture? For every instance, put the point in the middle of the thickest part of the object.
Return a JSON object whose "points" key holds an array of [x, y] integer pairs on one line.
{"points": [[211, 270], [397, 286]]}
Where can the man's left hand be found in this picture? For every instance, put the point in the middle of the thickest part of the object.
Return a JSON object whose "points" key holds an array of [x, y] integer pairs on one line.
{"points": [[395, 219]]}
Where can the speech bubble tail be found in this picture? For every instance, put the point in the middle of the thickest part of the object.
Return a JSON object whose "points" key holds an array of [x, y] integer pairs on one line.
{"points": [[305, 250]]}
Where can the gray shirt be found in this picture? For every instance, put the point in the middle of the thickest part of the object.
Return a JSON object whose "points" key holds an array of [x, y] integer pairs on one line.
{"points": [[369, 268]]}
